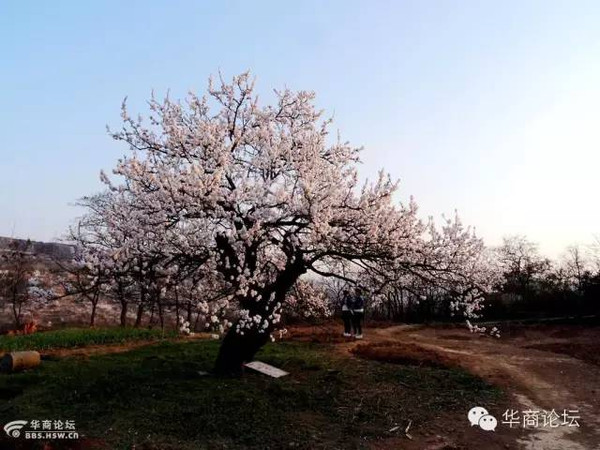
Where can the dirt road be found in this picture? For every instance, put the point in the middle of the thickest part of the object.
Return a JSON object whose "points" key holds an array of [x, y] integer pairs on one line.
{"points": [[537, 379]]}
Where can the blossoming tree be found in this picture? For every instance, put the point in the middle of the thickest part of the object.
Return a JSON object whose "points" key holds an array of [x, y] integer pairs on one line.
{"points": [[257, 196]]}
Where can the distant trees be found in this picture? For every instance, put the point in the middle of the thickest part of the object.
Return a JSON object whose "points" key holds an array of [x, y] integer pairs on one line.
{"points": [[416, 297], [534, 286], [134, 279], [575, 266], [79, 280], [521, 265], [20, 285], [590, 292], [14, 280], [525, 285]]}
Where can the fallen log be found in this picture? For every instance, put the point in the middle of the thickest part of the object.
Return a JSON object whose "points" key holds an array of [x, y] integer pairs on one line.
{"points": [[16, 361]]}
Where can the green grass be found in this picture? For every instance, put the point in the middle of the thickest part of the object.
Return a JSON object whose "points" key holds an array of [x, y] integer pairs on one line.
{"points": [[78, 337], [154, 398]]}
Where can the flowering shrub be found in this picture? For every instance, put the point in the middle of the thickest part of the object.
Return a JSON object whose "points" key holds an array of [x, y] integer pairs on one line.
{"points": [[184, 327], [307, 299], [494, 332]]}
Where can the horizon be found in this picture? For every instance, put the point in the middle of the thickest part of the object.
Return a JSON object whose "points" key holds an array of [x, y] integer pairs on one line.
{"points": [[487, 109]]}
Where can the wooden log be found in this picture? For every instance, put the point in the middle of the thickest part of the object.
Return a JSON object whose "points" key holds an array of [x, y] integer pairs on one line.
{"points": [[16, 361]]}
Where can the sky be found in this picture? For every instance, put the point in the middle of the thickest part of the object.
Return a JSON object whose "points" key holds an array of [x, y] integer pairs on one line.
{"points": [[491, 108]]}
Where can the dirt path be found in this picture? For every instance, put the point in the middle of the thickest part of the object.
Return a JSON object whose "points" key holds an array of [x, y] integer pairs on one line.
{"points": [[538, 380]]}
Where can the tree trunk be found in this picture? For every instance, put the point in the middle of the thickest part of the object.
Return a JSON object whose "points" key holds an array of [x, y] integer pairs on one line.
{"points": [[17, 314], [189, 312], [197, 321], [161, 315], [94, 307], [140, 309], [236, 350], [123, 313], [140, 314], [151, 321], [176, 307]]}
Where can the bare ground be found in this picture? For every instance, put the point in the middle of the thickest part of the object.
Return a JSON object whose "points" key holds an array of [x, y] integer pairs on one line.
{"points": [[541, 367]]}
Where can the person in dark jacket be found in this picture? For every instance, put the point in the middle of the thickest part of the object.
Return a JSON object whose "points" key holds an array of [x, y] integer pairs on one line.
{"points": [[347, 312], [358, 312]]}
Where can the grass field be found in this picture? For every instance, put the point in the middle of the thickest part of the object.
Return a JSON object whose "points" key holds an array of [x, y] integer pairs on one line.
{"points": [[155, 398], [79, 337]]}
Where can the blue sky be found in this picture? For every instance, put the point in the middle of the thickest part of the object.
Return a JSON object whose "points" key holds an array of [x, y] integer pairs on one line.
{"points": [[491, 108]]}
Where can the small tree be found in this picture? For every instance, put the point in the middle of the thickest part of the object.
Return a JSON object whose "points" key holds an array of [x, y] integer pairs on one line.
{"points": [[576, 266], [80, 280], [14, 278], [20, 283]]}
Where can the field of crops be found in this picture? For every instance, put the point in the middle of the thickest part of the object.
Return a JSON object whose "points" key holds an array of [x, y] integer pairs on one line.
{"points": [[79, 337]]}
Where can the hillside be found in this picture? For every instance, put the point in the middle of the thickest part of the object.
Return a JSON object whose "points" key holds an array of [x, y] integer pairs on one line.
{"points": [[52, 250]]}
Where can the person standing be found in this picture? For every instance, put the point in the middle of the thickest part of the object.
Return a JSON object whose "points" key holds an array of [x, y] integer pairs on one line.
{"points": [[347, 312], [358, 312]]}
